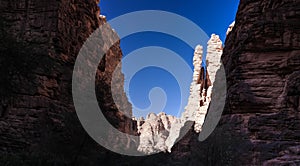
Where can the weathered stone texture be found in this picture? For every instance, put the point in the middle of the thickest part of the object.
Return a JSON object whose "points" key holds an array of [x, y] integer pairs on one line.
{"points": [[262, 62], [37, 115], [260, 125], [154, 131], [261, 54]]}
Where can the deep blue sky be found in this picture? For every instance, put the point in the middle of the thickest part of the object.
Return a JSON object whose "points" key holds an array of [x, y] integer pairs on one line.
{"points": [[213, 16]]}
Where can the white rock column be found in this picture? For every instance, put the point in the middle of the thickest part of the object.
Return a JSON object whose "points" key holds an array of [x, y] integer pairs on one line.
{"points": [[194, 98], [213, 56], [159, 132]]}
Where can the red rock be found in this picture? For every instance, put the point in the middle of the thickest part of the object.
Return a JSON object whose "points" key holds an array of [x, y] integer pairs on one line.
{"points": [[41, 40]]}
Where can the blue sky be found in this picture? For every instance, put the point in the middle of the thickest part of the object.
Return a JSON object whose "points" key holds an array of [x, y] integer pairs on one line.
{"points": [[212, 16]]}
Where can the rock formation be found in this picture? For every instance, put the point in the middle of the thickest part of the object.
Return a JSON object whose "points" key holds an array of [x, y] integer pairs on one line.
{"points": [[168, 131], [260, 125], [39, 44], [213, 61], [262, 62], [154, 131], [196, 94]]}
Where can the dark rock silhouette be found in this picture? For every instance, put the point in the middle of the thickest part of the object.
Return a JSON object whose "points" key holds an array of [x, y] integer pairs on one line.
{"points": [[39, 44], [38, 125]]}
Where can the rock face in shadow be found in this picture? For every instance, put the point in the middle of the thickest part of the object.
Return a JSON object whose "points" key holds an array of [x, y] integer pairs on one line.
{"points": [[261, 120], [262, 62], [40, 41], [262, 57], [260, 125]]}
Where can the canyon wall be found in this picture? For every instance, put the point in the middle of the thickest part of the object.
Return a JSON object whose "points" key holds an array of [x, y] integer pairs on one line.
{"points": [[262, 62], [40, 41], [261, 121]]}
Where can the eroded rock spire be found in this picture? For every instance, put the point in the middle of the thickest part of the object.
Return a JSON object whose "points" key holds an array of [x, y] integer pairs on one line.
{"points": [[160, 132]]}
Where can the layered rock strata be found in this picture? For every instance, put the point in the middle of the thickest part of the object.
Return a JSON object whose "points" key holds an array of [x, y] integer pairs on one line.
{"points": [[262, 62], [40, 41], [260, 125]]}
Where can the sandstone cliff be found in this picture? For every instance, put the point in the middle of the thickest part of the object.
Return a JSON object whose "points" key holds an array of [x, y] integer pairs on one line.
{"points": [[260, 125], [262, 62], [39, 44]]}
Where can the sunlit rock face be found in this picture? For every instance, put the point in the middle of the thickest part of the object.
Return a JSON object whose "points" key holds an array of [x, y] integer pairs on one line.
{"points": [[160, 132], [213, 57], [230, 28], [154, 131]]}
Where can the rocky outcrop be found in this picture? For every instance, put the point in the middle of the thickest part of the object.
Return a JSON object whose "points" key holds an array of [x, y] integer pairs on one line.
{"points": [[154, 131], [39, 44]]}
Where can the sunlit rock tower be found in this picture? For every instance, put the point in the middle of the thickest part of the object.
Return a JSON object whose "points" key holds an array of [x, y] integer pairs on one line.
{"points": [[203, 79], [194, 98], [154, 132], [196, 109], [192, 110], [193, 101]]}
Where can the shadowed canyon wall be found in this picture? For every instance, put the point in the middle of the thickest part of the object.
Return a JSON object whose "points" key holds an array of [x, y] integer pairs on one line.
{"points": [[39, 44], [262, 61], [41, 39]]}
